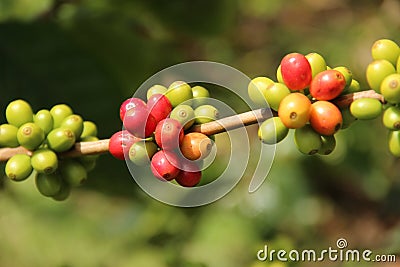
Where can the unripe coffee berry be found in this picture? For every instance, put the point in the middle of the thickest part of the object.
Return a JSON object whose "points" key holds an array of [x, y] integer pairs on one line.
{"points": [[272, 131], [8, 135], [18, 167], [19, 112], [59, 113], [73, 172], [48, 184], [61, 139], [179, 92], [30, 136], [44, 161], [44, 120]]}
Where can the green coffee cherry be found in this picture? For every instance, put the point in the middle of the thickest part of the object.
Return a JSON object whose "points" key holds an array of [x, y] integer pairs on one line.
{"points": [[88, 162], [391, 118], [200, 95], [64, 192], [394, 143], [44, 120], [390, 88], [398, 65], [377, 71], [30, 136], [73, 172], [279, 75], [179, 92], [366, 108], [352, 88], [89, 129], [348, 119], [385, 49], [272, 131], [73, 122], [141, 152], [257, 90], [8, 135], [59, 113], [48, 184], [307, 140], [156, 89], [44, 161], [18, 167], [60, 139], [317, 63], [184, 114], [205, 113], [275, 93], [328, 145], [348, 75], [19, 112]]}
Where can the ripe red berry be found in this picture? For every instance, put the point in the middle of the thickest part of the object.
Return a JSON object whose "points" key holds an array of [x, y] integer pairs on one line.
{"points": [[296, 71], [169, 134], [327, 85], [325, 118], [120, 142], [164, 165], [129, 104], [160, 107], [139, 122], [188, 179]]}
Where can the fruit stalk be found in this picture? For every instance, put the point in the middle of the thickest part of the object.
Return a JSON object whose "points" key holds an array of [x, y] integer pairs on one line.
{"points": [[210, 128]]}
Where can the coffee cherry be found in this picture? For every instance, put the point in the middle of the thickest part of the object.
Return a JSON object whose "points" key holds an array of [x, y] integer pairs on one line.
{"points": [[317, 63], [169, 134], [275, 93], [48, 184], [64, 192], [352, 88], [89, 129], [159, 106], [294, 110], [73, 172], [279, 74], [327, 85], [141, 152], [74, 123], [18, 167], [347, 117], [44, 120], [200, 95], [179, 92], [366, 108], [8, 135], [385, 49], [131, 103], [206, 113], [156, 89], [347, 74], [59, 113], [325, 118], [139, 122], [188, 178], [30, 136], [307, 140], [390, 88], [164, 165], [377, 71], [19, 112], [196, 146], [394, 143], [44, 161], [328, 145], [257, 90], [120, 143], [296, 71], [391, 118], [184, 114], [61, 139], [272, 131]]}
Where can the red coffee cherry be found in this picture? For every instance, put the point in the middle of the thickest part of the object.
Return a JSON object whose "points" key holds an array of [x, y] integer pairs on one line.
{"points": [[327, 85], [139, 122], [159, 106], [190, 174], [164, 165], [129, 104], [169, 134], [325, 118], [296, 71], [120, 142]]}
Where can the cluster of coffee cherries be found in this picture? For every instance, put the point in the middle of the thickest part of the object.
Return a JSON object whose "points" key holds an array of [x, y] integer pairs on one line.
{"points": [[383, 75], [157, 132], [303, 98], [45, 134]]}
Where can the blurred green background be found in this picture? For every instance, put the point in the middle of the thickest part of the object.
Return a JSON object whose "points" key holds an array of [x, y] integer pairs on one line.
{"points": [[93, 54]]}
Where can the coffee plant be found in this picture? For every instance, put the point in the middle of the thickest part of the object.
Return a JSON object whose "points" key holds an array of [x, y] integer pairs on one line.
{"points": [[164, 132]]}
